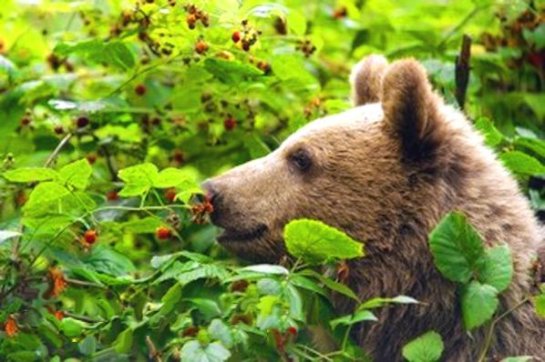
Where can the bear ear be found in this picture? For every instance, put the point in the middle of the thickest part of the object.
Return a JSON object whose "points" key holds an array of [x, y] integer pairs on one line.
{"points": [[410, 109], [366, 79]]}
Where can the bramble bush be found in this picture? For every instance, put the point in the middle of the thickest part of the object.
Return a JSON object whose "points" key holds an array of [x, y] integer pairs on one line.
{"points": [[111, 114]]}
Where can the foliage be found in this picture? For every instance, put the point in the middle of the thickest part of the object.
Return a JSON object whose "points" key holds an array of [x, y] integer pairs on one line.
{"points": [[459, 254], [113, 111], [426, 348]]}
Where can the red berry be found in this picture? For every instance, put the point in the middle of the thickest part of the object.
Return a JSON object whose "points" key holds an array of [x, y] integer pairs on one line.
{"points": [[264, 66], [178, 157], [201, 47], [229, 123], [191, 19], [91, 158], [163, 233], [112, 195], [90, 236], [140, 89], [82, 122], [25, 121], [236, 36], [58, 129], [190, 331], [292, 331], [170, 194], [59, 314]]}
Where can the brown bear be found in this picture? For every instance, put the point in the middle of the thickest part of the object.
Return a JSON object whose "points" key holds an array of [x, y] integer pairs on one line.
{"points": [[386, 172]]}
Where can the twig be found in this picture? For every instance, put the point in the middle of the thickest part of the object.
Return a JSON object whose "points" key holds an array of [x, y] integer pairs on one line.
{"points": [[83, 283], [82, 318], [55, 153], [153, 354], [462, 70], [488, 340]]}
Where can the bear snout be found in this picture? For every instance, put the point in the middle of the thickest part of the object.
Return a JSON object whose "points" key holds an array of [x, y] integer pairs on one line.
{"points": [[213, 196]]}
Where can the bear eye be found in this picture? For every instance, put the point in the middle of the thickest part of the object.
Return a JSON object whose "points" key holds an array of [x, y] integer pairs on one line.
{"points": [[301, 159]]}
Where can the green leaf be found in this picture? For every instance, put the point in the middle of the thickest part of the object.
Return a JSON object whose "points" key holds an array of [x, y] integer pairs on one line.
{"points": [[214, 352], [269, 286], [231, 72], [142, 226], [296, 22], [88, 345], [348, 320], [209, 308], [521, 163], [44, 198], [171, 177], [71, 327], [495, 268], [426, 348], [171, 298], [114, 53], [106, 260], [123, 342], [76, 174], [138, 179], [518, 359], [331, 284], [479, 303], [188, 188], [456, 247], [118, 54], [491, 134], [30, 174], [535, 145], [295, 303], [539, 302], [266, 269], [379, 302], [7, 234], [220, 331], [315, 242]]}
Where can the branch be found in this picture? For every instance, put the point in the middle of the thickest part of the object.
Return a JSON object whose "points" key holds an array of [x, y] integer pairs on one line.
{"points": [[57, 150], [462, 70]]}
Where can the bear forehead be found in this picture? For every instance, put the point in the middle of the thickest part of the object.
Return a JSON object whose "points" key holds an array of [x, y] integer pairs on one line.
{"points": [[354, 119]]}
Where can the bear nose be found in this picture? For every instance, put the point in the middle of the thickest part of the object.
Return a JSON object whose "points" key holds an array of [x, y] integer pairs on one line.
{"points": [[211, 192]]}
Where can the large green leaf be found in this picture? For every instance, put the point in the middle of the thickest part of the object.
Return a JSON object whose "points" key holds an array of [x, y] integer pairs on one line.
{"points": [[521, 163], [214, 352], [171, 177], [30, 174], [456, 247], [426, 348], [495, 267], [479, 303], [106, 260], [76, 174], [44, 198], [315, 242], [138, 179]]}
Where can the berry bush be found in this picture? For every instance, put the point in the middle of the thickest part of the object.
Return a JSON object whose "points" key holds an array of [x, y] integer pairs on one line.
{"points": [[112, 112]]}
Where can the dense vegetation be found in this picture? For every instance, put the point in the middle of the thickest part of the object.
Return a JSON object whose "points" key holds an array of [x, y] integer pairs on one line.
{"points": [[112, 112]]}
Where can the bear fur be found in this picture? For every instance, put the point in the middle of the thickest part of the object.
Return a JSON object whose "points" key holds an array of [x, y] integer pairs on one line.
{"points": [[386, 172]]}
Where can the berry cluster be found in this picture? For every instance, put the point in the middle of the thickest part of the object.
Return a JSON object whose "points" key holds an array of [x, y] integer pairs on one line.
{"points": [[306, 47], [195, 15], [246, 37]]}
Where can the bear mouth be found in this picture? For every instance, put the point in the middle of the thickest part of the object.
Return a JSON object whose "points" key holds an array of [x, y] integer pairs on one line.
{"points": [[230, 235]]}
